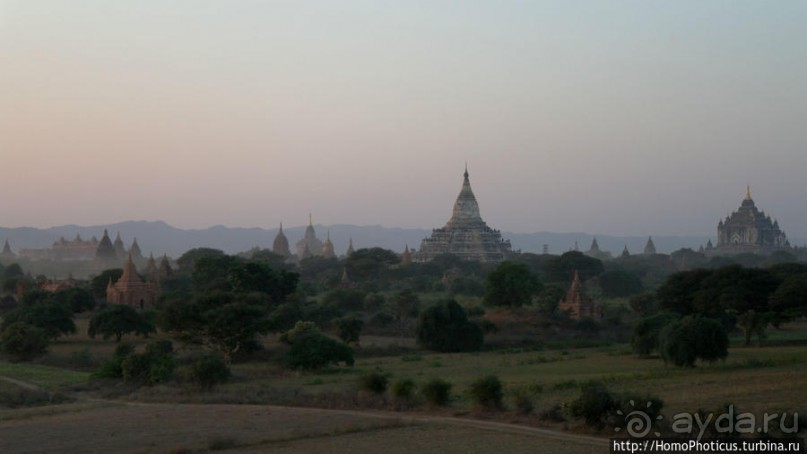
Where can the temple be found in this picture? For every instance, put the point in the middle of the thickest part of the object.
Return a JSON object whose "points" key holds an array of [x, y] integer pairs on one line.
{"points": [[577, 303], [465, 235], [309, 245], [281, 244], [748, 230], [131, 290], [650, 248]]}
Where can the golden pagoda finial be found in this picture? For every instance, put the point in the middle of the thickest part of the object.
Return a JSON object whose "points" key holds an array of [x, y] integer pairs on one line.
{"points": [[748, 192]]}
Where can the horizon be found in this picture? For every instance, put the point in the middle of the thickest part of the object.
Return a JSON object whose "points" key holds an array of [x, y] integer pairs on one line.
{"points": [[622, 119]]}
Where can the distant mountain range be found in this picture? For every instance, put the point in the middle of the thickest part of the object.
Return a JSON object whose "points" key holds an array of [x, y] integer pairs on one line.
{"points": [[158, 237]]}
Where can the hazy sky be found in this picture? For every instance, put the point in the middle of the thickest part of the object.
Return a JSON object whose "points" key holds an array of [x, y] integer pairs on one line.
{"points": [[612, 117]]}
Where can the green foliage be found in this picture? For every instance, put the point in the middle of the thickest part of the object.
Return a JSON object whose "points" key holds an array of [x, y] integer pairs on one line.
{"points": [[113, 367], [677, 294], [374, 381], [208, 371], [402, 389], [594, 404], [53, 317], [487, 392], [13, 271], [344, 300], [187, 261], [511, 284], [644, 304], [21, 341], [155, 365], [117, 320], [444, 327], [312, 350], [366, 264], [349, 329], [561, 269], [790, 298], [620, 283], [217, 320], [546, 301], [646, 333], [99, 283], [436, 391], [692, 338], [78, 299]]}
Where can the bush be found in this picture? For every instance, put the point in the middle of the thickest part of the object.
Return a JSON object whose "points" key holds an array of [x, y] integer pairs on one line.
{"points": [[155, 365], [522, 400], [692, 338], [311, 350], [436, 392], [208, 371], [23, 342], [487, 392], [374, 382], [594, 405], [403, 389]]}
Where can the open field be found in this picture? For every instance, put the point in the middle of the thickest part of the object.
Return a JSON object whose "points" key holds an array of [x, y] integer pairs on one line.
{"points": [[173, 418]]}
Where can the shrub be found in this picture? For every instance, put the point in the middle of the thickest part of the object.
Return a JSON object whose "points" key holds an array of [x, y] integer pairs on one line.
{"points": [[374, 382], [402, 389], [522, 400], [487, 392], [23, 342], [594, 404], [311, 350], [436, 392], [692, 338], [207, 371], [155, 365]]}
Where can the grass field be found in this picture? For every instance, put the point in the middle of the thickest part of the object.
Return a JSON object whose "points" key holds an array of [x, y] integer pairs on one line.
{"points": [[770, 378]]}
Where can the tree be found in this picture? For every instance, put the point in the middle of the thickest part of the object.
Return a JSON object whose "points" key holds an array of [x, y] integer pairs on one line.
{"points": [[117, 320], [561, 269], [444, 327], [743, 292], [646, 333], [208, 371], [789, 300], [677, 294], [13, 271], [217, 320], [78, 299], [187, 261], [644, 304], [594, 405], [404, 306], [312, 350], [99, 283], [54, 318], [23, 342], [692, 338], [349, 329], [620, 283], [511, 284], [546, 301]]}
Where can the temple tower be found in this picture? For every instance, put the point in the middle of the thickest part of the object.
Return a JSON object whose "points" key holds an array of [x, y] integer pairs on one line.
{"points": [[465, 235], [281, 244]]}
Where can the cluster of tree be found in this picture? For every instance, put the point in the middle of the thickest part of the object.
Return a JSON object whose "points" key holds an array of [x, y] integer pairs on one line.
{"points": [[688, 315]]}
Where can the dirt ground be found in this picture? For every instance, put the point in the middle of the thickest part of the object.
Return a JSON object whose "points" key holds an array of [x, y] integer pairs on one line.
{"points": [[107, 427]]}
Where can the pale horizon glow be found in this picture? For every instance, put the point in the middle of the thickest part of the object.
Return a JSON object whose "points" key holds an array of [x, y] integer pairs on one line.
{"points": [[624, 117]]}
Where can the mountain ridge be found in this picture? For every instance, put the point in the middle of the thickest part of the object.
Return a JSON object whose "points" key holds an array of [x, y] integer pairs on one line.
{"points": [[159, 237]]}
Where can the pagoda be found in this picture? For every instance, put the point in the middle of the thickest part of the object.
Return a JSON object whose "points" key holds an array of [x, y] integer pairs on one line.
{"points": [[749, 230], [465, 235]]}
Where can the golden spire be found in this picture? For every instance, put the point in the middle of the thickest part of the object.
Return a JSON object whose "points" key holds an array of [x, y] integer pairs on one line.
{"points": [[748, 192]]}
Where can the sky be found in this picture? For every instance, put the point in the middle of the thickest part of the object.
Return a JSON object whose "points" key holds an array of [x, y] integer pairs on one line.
{"points": [[613, 117]]}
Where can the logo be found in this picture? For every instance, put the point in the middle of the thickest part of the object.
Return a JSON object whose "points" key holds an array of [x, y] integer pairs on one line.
{"points": [[638, 422]]}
